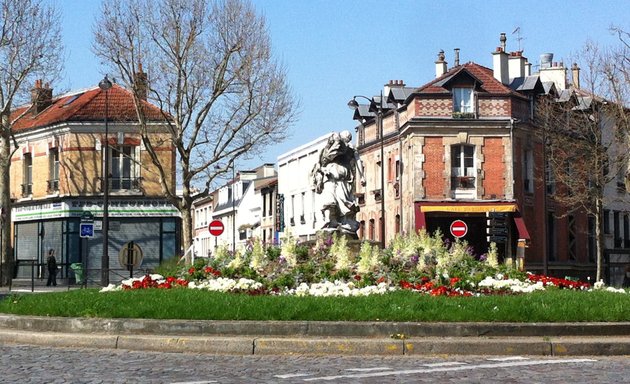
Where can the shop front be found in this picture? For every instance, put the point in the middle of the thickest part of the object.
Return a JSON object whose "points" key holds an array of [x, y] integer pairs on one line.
{"points": [[481, 223], [152, 225]]}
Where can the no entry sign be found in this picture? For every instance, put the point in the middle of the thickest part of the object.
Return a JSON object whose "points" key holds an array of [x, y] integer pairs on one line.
{"points": [[459, 228], [216, 227]]}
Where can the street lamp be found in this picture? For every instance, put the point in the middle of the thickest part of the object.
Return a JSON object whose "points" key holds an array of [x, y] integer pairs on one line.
{"points": [[233, 195], [105, 85], [353, 104], [233, 211]]}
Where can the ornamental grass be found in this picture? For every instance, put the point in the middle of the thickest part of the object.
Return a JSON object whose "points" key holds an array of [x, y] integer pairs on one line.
{"points": [[419, 277]]}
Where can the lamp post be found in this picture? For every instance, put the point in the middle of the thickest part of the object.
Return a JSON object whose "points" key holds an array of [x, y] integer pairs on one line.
{"points": [[233, 194], [353, 104], [105, 85], [233, 210]]}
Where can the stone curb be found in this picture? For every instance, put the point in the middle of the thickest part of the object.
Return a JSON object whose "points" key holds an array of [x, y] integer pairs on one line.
{"points": [[536, 346], [320, 338], [309, 328]]}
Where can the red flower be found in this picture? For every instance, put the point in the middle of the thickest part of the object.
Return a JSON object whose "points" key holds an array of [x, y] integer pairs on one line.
{"points": [[357, 277], [454, 280]]}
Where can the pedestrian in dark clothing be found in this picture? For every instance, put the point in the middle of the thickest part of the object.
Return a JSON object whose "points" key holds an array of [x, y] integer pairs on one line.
{"points": [[51, 264], [626, 277]]}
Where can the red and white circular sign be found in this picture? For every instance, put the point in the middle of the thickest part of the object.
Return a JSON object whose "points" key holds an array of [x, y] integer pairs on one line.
{"points": [[459, 228], [216, 227]]}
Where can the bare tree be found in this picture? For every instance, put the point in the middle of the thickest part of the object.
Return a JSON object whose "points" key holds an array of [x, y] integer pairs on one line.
{"points": [[211, 71], [30, 48], [586, 138]]}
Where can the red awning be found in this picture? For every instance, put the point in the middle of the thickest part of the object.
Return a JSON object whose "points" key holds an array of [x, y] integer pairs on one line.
{"points": [[521, 228]]}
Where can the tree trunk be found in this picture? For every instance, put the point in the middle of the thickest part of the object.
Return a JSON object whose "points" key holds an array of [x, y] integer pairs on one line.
{"points": [[6, 271], [187, 226], [599, 238]]}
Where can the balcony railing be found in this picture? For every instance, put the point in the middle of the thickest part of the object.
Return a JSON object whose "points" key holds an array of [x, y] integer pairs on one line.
{"points": [[463, 182], [124, 183], [52, 186], [27, 190]]}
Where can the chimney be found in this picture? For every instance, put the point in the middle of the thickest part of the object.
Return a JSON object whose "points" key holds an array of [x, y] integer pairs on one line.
{"points": [[141, 83], [440, 64], [575, 72], [500, 62], [550, 71], [390, 85], [456, 57], [545, 60], [41, 97], [516, 64], [528, 68]]}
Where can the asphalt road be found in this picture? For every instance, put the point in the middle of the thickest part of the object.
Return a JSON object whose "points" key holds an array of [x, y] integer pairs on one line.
{"points": [[36, 364]]}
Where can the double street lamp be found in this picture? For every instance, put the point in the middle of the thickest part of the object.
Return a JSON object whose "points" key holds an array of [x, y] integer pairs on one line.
{"points": [[105, 85], [378, 107]]}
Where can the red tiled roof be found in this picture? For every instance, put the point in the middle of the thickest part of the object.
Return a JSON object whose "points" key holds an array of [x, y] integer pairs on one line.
{"points": [[84, 106], [484, 74]]}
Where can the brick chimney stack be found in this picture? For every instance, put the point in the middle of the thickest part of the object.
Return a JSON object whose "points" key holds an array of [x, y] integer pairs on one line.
{"points": [[41, 97], [141, 83], [575, 71]]}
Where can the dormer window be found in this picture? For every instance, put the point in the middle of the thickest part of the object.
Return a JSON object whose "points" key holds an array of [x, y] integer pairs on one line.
{"points": [[463, 100]]}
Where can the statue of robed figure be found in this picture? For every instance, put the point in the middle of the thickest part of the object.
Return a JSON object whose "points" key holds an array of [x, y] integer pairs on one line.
{"points": [[333, 179]]}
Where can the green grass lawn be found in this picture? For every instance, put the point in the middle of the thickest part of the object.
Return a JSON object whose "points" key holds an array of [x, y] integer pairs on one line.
{"points": [[545, 306]]}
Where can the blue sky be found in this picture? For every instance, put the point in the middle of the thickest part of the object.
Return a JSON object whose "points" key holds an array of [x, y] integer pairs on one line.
{"points": [[334, 50]]}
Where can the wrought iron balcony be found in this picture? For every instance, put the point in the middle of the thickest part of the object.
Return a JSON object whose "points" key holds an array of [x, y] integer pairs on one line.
{"points": [[27, 190], [52, 186]]}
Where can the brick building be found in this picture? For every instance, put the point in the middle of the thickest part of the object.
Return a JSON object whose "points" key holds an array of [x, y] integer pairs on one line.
{"points": [[465, 145], [57, 179]]}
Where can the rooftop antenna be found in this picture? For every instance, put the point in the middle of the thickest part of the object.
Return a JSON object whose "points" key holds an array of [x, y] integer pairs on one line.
{"points": [[517, 31]]}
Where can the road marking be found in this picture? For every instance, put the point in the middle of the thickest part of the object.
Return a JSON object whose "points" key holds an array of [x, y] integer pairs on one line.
{"points": [[368, 369], [196, 382], [512, 358], [447, 364], [450, 369], [291, 375]]}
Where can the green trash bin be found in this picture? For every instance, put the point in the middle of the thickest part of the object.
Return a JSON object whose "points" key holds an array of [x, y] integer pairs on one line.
{"points": [[77, 268]]}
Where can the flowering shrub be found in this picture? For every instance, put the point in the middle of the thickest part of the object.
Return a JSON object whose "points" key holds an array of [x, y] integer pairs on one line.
{"points": [[418, 262]]}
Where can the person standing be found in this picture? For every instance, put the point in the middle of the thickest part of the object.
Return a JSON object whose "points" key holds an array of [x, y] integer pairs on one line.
{"points": [[51, 264]]}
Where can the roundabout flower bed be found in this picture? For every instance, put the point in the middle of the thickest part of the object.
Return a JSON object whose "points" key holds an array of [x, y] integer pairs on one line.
{"points": [[420, 263]]}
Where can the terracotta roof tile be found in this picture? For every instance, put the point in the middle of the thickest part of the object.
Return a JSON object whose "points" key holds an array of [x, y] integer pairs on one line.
{"points": [[83, 106]]}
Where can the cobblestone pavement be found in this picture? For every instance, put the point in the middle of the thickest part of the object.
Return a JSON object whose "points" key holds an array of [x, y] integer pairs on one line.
{"points": [[33, 364]]}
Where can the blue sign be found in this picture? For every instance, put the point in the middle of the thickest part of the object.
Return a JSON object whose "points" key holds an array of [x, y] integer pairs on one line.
{"points": [[86, 229]]}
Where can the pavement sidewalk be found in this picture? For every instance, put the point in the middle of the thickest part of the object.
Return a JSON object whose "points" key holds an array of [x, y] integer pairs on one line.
{"points": [[320, 338]]}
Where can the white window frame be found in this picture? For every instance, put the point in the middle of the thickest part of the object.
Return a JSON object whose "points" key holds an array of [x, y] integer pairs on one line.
{"points": [[463, 100]]}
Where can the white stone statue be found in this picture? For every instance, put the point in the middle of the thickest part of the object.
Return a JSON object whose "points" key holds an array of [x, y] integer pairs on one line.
{"points": [[333, 178]]}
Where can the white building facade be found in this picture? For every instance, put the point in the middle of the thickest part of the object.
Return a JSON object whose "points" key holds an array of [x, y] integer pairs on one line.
{"points": [[298, 201]]}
